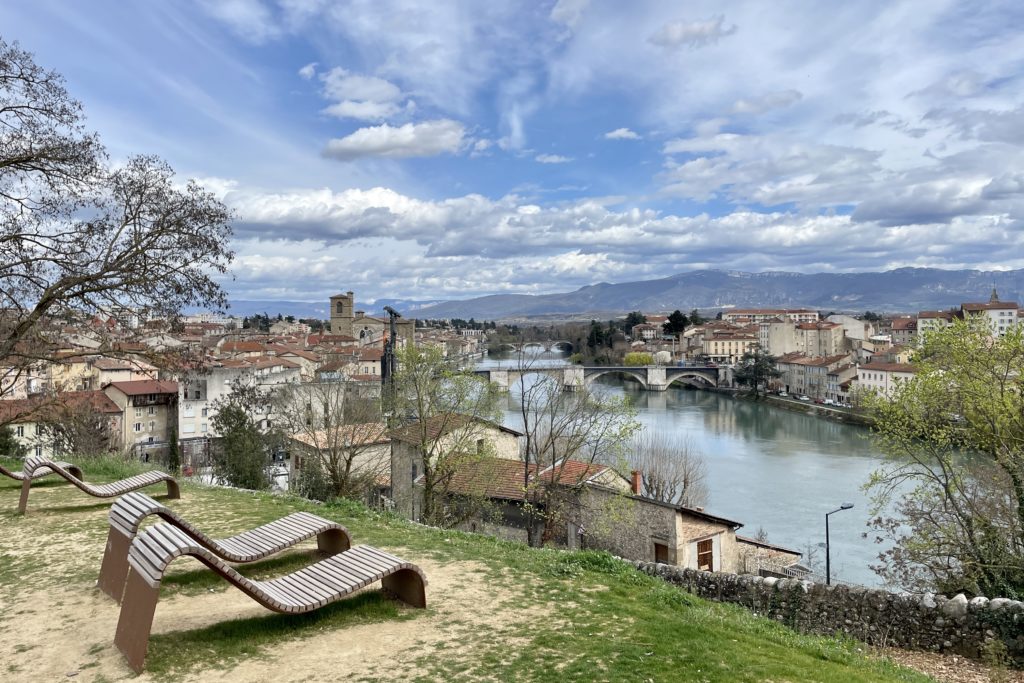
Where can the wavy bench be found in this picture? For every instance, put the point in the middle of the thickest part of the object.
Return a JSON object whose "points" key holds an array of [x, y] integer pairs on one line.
{"points": [[130, 509], [305, 590], [42, 471], [111, 490]]}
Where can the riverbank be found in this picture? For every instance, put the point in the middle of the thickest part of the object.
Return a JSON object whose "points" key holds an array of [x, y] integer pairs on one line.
{"points": [[841, 415]]}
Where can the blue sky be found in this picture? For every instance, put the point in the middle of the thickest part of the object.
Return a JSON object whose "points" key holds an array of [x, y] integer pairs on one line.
{"points": [[445, 150]]}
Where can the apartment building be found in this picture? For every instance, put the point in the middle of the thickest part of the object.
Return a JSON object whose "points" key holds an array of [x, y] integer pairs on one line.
{"points": [[883, 378], [757, 315]]}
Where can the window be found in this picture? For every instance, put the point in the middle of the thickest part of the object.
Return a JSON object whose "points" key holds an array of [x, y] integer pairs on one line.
{"points": [[661, 553], [202, 427], [19, 430], [138, 427], [705, 555], [152, 425], [203, 412], [138, 412], [152, 410], [195, 394], [39, 451], [39, 429]]}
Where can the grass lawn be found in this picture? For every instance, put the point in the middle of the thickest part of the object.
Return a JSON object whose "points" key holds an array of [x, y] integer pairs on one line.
{"points": [[496, 610]]}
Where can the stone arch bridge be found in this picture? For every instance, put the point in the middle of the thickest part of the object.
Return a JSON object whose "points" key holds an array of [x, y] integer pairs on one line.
{"points": [[652, 377], [563, 344]]}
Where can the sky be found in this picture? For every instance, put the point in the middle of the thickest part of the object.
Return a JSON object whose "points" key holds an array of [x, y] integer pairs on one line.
{"points": [[444, 150]]}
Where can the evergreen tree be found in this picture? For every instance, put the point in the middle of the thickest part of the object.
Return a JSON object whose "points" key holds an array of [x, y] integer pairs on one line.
{"points": [[677, 323]]}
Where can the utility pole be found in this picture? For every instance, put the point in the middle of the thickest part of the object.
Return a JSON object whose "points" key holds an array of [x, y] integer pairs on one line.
{"points": [[389, 364]]}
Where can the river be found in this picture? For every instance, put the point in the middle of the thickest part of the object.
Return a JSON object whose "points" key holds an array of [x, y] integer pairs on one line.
{"points": [[767, 468]]}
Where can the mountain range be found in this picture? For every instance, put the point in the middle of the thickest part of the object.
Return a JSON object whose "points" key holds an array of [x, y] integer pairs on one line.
{"points": [[900, 290]]}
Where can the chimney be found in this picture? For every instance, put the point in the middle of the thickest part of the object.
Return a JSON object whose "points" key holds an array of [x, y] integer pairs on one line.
{"points": [[634, 483]]}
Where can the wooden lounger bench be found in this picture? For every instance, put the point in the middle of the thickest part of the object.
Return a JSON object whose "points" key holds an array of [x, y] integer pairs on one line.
{"points": [[111, 490], [305, 590], [130, 509], [42, 471]]}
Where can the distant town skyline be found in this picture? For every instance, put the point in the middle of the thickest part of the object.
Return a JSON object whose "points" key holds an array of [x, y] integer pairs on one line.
{"points": [[447, 150]]}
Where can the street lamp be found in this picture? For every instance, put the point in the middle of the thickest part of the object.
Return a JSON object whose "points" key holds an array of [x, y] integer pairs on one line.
{"points": [[828, 559]]}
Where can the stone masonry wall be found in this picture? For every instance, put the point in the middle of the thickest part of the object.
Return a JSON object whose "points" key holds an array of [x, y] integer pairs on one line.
{"points": [[930, 622]]}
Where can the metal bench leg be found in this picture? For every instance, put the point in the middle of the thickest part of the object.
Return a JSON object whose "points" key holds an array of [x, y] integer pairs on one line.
{"points": [[173, 490], [26, 484], [136, 620], [407, 586], [333, 541], [115, 564]]}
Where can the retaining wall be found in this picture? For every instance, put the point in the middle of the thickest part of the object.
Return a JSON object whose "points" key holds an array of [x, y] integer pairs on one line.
{"points": [[977, 628]]}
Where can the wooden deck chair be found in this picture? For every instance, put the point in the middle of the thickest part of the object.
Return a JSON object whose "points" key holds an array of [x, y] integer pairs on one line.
{"points": [[305, 590], [115, 488], [130, 509], [42, 471]]}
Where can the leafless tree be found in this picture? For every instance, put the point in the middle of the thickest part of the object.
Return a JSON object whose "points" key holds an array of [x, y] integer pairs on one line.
{"points": [[672, 468], [444, 414], [80, 239], [337, 433], [563, 430]]}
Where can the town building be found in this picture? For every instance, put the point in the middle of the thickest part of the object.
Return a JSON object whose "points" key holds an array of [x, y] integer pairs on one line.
{"points": [[150, 413], [757, 315], [883, 378], [345, 320]]}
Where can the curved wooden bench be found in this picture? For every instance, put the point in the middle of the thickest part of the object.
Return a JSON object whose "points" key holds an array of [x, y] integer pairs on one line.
{"points": [[302, 591], [115, 488], [42, 471], [130, 509]]}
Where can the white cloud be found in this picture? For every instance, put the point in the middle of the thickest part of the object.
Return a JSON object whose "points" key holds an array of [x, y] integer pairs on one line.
{"points": [[426, 139], [307, 72], [774, 100], [568, 12], [250, 19], [676, 34], [474, 244], [355, 96], [621, 134], [552, 159]]}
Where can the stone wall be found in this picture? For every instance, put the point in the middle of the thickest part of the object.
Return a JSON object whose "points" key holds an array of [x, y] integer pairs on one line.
{"points": [[973, 628]]}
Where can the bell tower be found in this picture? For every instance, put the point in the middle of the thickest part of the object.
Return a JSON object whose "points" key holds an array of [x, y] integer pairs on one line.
{"points": [[342, 306]]}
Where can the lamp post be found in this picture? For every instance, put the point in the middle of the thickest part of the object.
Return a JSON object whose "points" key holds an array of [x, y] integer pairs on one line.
{"points": [[828, 559]]}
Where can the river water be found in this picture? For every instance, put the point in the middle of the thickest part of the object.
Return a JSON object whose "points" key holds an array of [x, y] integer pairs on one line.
{"points": [[767, 468]]}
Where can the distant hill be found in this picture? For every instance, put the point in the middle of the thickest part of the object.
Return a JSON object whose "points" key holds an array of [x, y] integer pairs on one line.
{"points": [[900, 290]]}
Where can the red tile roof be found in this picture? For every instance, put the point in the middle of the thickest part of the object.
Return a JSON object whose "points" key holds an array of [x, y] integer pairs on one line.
{"points": [[145, 386]]}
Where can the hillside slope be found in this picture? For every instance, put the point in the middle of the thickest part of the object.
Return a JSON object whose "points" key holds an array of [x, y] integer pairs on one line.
{"points": [[497, 611]]}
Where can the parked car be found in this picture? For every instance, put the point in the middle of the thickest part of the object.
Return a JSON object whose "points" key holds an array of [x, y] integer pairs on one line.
{"points": [[803, 398], [829, 402], [783, 394]]}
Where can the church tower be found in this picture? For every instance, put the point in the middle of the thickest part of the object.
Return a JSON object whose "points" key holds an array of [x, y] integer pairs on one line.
{"points": [[342, 306]]}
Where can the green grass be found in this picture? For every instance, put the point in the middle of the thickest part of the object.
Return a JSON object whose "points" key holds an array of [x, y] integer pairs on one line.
{"points": [[563, 616]]}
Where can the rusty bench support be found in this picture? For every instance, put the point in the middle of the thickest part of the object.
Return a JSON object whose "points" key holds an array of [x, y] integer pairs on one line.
{"points": [[305, 590], [111, 490], [127, 514]]}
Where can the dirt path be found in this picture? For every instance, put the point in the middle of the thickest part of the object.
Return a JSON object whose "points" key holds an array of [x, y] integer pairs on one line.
{"points": [[54, 635]]}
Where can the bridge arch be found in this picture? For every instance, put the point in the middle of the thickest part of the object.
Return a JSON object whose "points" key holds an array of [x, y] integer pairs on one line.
{"points": [[563, 344], [640, 374], [696, 379]]}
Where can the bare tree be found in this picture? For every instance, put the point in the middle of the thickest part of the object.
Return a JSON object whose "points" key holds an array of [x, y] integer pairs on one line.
{"points": [[339, 435], [562, 431], [79, 239], [672, 469], [443, 414], [74, 425]]}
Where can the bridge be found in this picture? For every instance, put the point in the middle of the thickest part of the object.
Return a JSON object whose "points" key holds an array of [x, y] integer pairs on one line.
{"points": [[652, 377], [563, 344]]}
